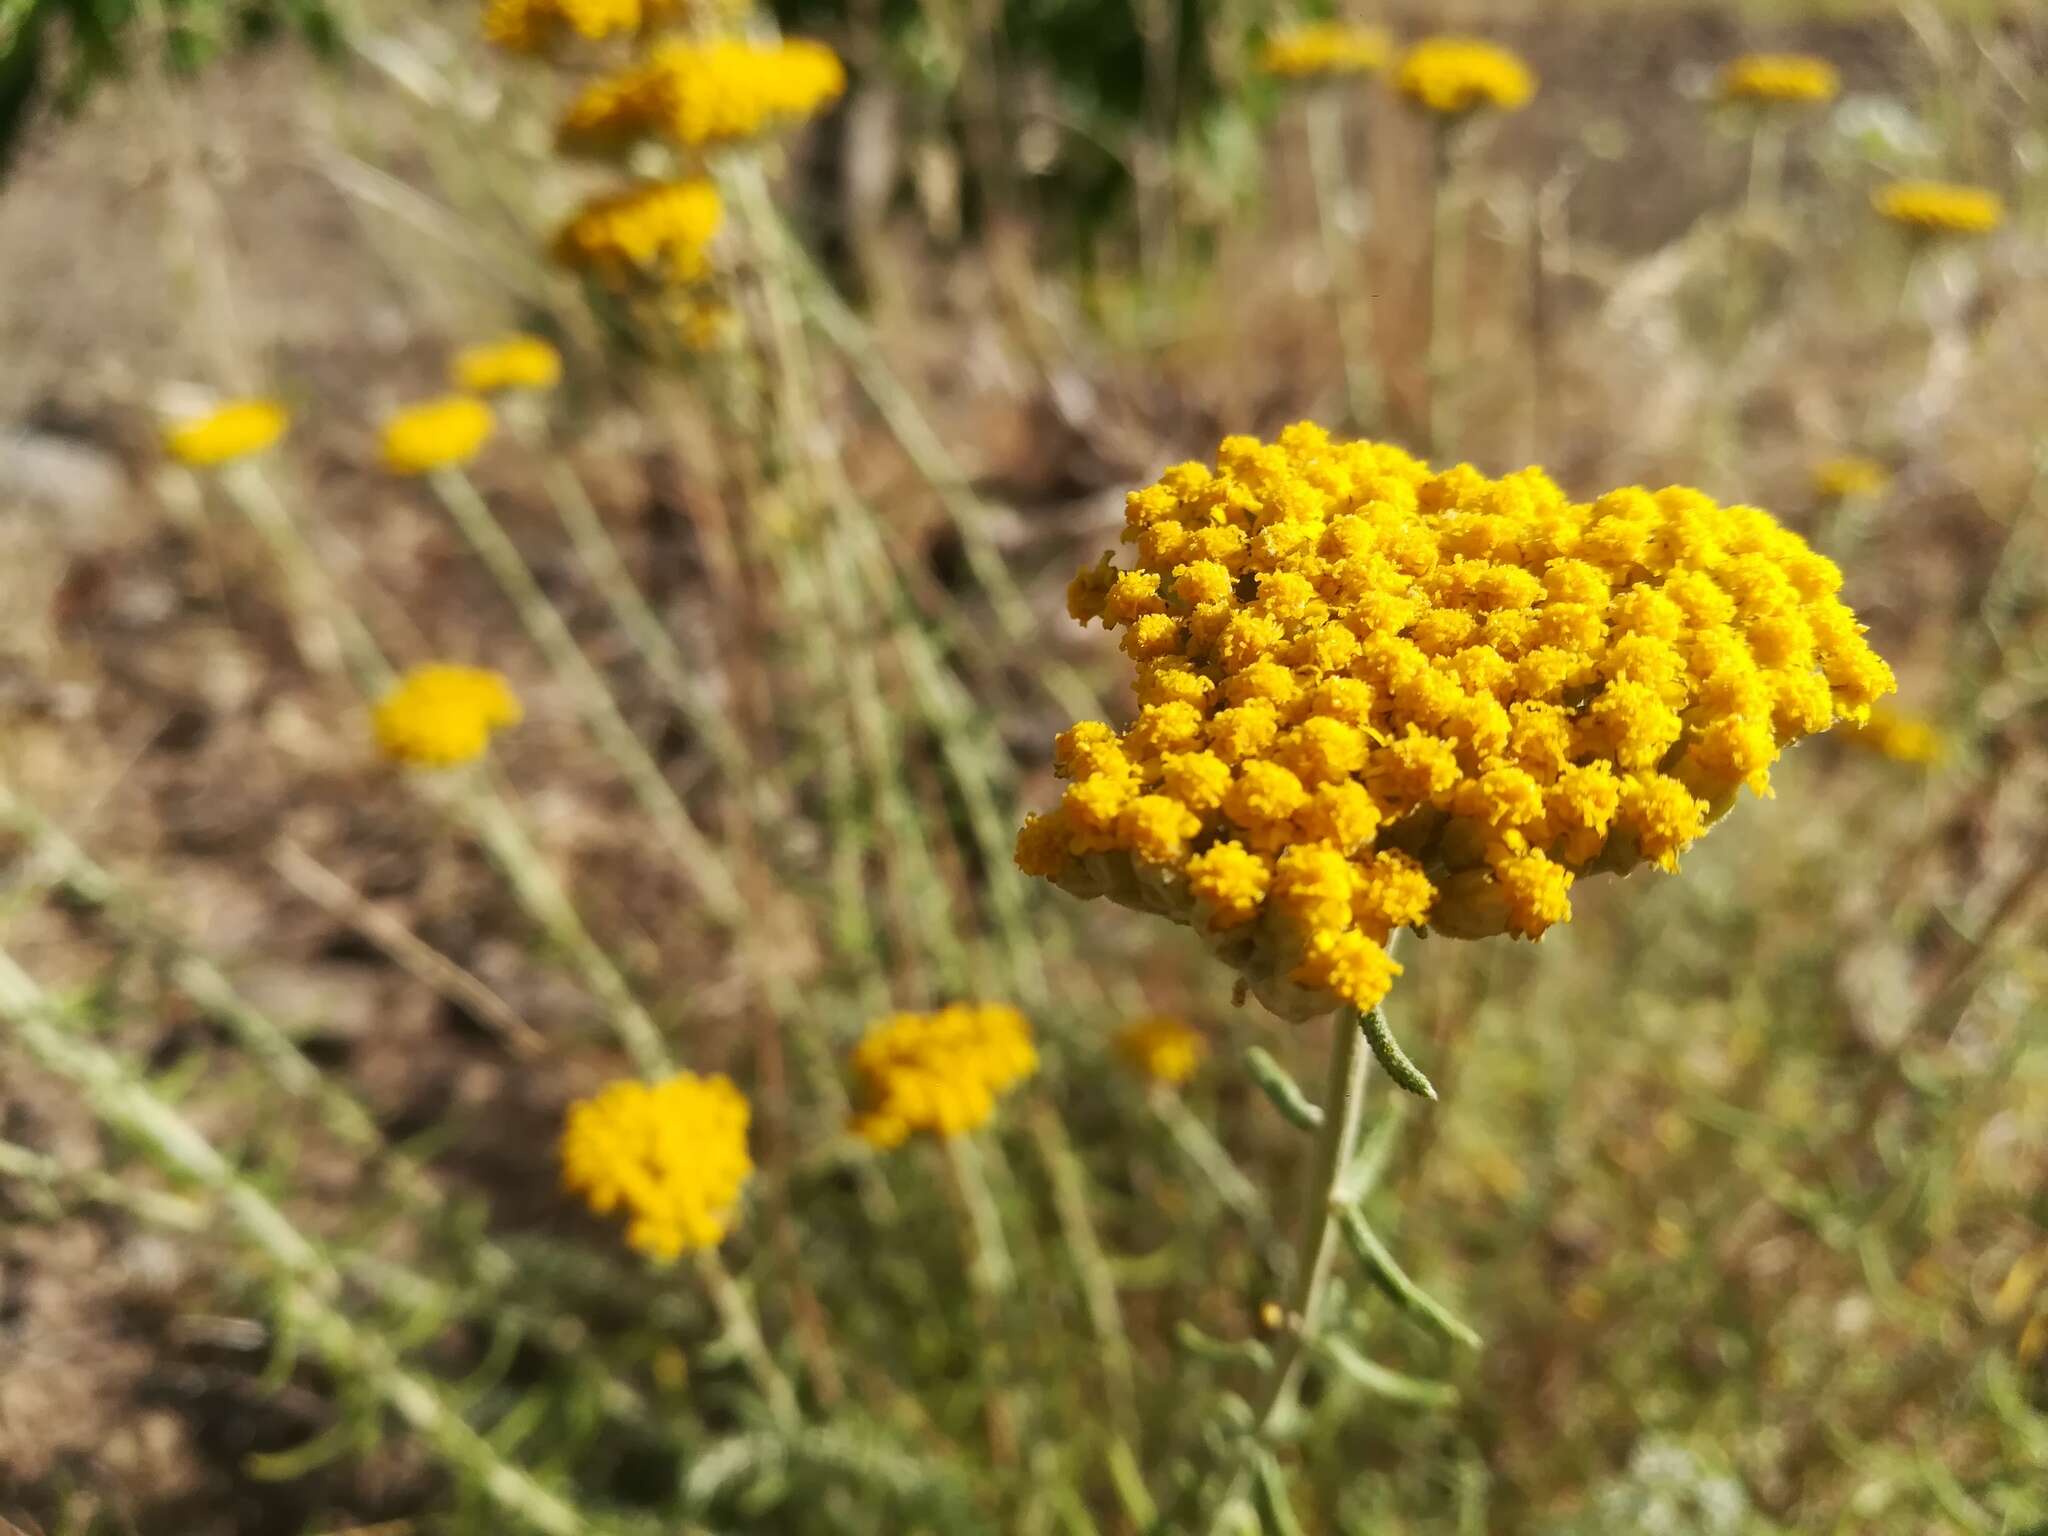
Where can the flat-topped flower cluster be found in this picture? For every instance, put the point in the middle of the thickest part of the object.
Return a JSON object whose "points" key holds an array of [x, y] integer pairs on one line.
{"points": [[1375, 696], [703, 93]]}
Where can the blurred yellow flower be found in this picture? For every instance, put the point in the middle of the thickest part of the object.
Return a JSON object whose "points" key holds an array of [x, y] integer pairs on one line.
{"points": [[230, 431], [1901, 737], [1940, 207], [660, 231], [1454, 75], [1163, 1049], [528, 26], [1779, 78], [1850, 475], [436, 434], [1375, 696], [700, 93], [441, 716], [1326, 48], [672, 1155], [940, 1072], [517, 362]]}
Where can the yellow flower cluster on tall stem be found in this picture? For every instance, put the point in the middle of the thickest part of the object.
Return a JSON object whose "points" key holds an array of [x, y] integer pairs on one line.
{"points": [[1458, 75], [1320, 50], [671, 1155], [657, 232], [1376, 696], [939, 1073], [442, 716], [701, 94], [1838, 479], [512, 363], [436, 434], [1779, 79], [228, 432], [531, 26], [1940, 207]]}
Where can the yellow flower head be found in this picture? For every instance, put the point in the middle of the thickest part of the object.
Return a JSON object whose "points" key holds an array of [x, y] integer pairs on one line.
{"points": [[1850, 475], [1901, 737], [939, 1072], [231, 431], [1779, 78], [436, 434], [697, 94], [517, 362], [442, 716], [658, 231], [529, 26], [1326, 48], [672, 1155], [1163, 1049], [1408, 697], [1455, 75], [1940, 207]]}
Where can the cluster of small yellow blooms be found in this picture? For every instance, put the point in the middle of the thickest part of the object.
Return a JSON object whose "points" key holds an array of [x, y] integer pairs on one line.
{"points": [[228, 432], [1850, 475], [1326, 48], [1374, 697], [528, 26], [1455, 75], [659, 231], [1779, 77], [517, 362], [697, 94], [939, 1072], [442, 716], [436, 434], [1163, 1049], [672, 1155], [1901, 737], [1940, 207]]}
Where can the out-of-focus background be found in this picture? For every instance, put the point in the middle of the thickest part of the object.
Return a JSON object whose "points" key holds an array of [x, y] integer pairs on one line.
{"points": [[1742, 1176]]}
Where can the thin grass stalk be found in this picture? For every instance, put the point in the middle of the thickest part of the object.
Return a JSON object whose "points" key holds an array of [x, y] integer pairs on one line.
{"points": [[933, 461], [1324, 111], [602, 561], [701, 863], [305, 1279], [1201, 1148], [991, 1276], [1069, 1180], [476, 800], [1446, 234]]}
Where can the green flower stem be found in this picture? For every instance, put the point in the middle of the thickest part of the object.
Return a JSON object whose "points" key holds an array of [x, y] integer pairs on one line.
{"points": [[1446, 233], [306, 1281], [1199, 1144], [1069, 1181], [1318, 1223], [743, 1328], [992, 1276], [1333, 191]]}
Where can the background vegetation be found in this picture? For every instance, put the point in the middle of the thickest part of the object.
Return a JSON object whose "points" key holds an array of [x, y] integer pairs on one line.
{"points": [[1740, 1177]]}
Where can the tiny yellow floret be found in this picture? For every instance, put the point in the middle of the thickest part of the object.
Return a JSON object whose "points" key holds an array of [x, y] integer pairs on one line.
{"points": [[1325, 48], [442, 716], [436, 434], [671, 1155], [1940, 207], [228, 432], [517, 362], [1413, 698], [1457, 75], [939, 1073], [1779, 78], [1162, 1049]]}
